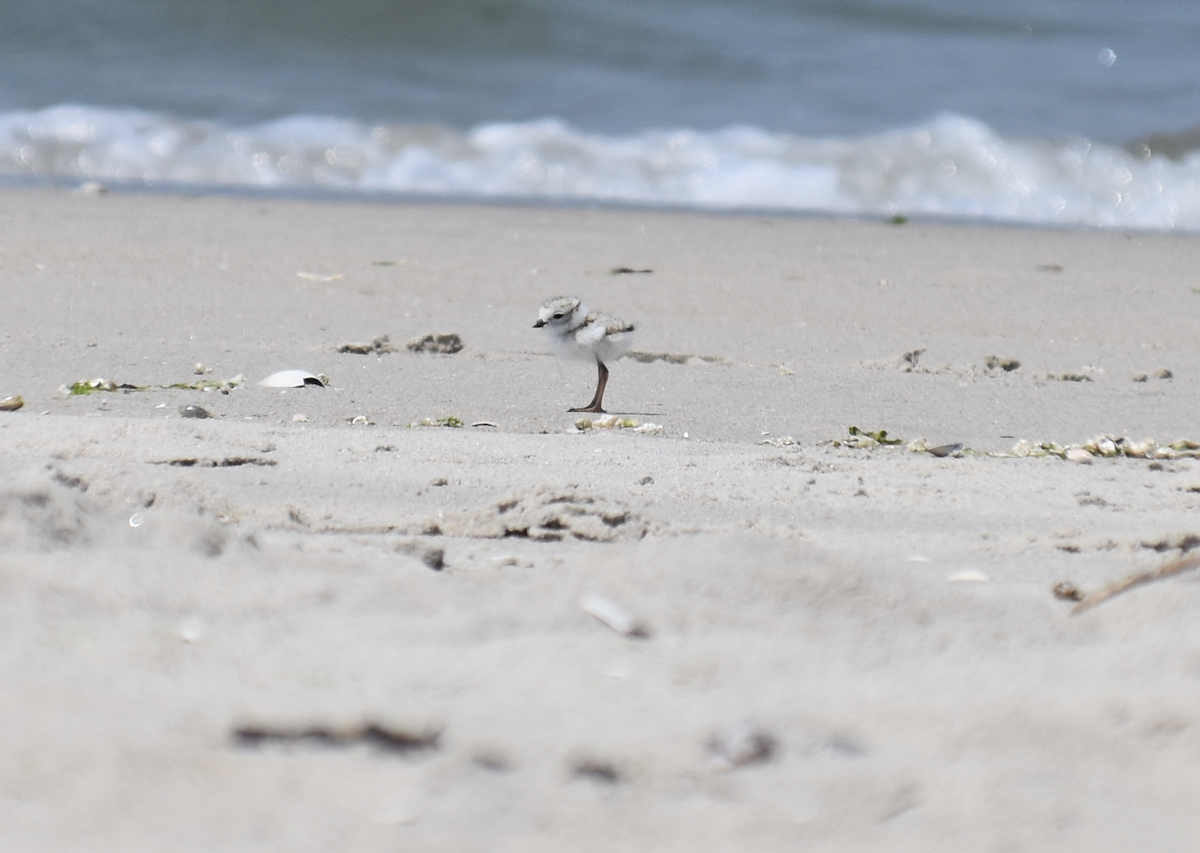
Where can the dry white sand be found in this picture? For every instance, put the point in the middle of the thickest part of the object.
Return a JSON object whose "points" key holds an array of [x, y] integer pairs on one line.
{"points": [[391, 616]]}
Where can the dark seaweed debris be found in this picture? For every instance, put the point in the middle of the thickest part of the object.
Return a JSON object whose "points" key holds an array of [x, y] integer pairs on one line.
{"points": [[382, 737]]}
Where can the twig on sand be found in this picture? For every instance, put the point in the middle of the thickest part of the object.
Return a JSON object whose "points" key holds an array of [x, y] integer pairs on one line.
{"points": [[1173, 567]]}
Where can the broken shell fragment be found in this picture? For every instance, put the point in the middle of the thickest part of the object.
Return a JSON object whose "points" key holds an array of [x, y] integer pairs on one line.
{"points": [[293, 379], [1139, 449], [946, 450], [968, 576], [192, 629], [1078, 454], [613, 615], [11, 404]]}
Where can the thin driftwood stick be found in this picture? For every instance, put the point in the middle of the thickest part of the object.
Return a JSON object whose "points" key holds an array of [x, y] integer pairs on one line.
{"points": [[1172, 567]]}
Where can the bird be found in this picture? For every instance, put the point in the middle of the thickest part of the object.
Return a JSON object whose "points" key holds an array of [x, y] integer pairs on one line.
{"points": [[575, 332]]}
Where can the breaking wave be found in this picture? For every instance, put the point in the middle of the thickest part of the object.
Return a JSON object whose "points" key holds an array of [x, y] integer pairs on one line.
{"points": [[949, 166]]}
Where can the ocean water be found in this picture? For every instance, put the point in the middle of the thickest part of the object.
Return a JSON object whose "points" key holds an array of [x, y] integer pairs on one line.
{"points": [[1073, 112]]}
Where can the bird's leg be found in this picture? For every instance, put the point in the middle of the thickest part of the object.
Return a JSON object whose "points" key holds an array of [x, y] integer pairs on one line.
{"points": [[598, 398]]}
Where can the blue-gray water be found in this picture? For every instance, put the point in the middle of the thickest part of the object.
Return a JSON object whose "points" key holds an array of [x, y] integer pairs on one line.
{"points": [[1058, 111]]}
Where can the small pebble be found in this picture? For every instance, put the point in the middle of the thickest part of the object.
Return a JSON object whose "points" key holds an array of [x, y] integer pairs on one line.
{"points": [[1067, 591], [596, 771], [741, 744], [194, 412]]}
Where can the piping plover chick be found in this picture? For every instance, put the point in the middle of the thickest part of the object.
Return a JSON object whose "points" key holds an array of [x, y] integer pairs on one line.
{"points": [[575, 332]]}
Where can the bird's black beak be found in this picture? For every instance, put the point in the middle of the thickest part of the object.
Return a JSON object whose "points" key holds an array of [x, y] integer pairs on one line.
{"points": [[539, 324]]}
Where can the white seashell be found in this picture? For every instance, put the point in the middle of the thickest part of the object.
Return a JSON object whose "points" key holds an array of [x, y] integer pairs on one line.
{"points": [[291, 379], [968, 576]]}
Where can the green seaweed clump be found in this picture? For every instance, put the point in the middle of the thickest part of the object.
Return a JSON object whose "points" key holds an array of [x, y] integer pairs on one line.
{"points": [[865, 437], [90, 386], [224, 386], [606, 422], [447, 421]]}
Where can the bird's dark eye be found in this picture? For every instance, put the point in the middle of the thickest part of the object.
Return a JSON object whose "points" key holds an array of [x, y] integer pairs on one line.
{"points": [[558, 316]]}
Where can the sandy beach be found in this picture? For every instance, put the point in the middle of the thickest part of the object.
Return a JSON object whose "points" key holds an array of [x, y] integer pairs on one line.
{"points": [[427, 608]]}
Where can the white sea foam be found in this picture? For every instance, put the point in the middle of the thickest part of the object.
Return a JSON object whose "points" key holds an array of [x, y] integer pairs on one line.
{"points": [[951, 165]]}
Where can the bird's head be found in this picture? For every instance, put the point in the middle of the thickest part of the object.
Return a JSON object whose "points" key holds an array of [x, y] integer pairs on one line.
{"points": [[557, 312]]}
